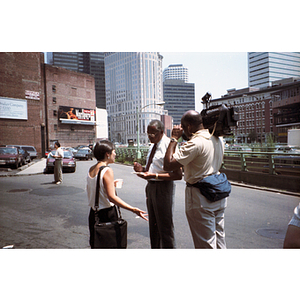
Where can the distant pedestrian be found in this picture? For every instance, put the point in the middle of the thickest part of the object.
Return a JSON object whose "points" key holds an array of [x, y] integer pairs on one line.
{"points": [[59, 155]]}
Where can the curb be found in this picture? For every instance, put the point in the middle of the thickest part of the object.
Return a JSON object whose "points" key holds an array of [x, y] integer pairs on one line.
{"points": [[244, 185]]}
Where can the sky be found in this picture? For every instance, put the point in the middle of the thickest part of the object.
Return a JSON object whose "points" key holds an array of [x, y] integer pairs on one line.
{"points": [[213, 72]]}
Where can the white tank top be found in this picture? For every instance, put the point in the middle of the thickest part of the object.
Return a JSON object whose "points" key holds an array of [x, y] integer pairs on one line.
{"points": [[91, 184]]}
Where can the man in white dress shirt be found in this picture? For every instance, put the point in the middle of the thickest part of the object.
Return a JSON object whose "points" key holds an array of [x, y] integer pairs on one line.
{"points": [[160, 188]]}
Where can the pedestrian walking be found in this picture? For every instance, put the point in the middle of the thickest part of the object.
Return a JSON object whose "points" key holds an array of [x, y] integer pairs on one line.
{"points": [[160, 188]]}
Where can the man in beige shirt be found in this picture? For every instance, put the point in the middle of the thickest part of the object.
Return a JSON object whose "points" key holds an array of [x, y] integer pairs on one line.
{"points": [[201, 156]]}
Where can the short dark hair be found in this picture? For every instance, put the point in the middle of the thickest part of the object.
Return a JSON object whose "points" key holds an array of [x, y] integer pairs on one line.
{"points": [[101, 148], [157, 124], [57, 144]]}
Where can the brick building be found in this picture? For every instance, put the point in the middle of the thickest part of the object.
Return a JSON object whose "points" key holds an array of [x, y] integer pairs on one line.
{"points": [[22, 113], [29, 89], [271, 110], [71, 105]]}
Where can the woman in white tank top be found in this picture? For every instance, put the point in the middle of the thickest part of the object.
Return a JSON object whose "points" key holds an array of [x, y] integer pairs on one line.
{"points": [[105, 154]]}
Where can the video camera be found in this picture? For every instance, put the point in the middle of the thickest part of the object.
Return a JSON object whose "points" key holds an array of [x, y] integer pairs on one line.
{"points": [[218, 118]]}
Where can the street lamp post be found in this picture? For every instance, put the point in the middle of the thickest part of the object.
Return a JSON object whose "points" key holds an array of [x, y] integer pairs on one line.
{"points": [[138, 151]]}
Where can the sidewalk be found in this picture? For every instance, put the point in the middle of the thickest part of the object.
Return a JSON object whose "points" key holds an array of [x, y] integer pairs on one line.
{"points": [[36, 167]]}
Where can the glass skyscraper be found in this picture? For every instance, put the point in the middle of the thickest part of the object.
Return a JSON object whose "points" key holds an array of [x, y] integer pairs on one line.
{"points": [[266, 67], [133, 80]]}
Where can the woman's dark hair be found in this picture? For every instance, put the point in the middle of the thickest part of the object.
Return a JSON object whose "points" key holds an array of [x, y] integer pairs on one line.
{"points": [[57, 144], [101, 148]]}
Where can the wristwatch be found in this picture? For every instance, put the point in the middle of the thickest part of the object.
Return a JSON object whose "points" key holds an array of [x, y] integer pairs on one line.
{"points": [[173, 140]]}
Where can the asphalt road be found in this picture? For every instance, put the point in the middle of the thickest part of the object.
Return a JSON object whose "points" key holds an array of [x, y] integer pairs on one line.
{"points": [[36, 214]]}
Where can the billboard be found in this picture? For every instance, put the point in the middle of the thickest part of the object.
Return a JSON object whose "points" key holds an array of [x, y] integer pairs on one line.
{"points": [[75, 115], [13, 108]]}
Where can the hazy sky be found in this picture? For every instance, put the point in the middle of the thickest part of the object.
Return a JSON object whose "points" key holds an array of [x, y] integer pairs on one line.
{"points": [[213, 72]]}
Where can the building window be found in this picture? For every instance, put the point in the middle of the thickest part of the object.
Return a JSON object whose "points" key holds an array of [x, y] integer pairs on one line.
{"points": [[54, 99], [55, 113], [55, 127], [54, 88], [73, 91]]}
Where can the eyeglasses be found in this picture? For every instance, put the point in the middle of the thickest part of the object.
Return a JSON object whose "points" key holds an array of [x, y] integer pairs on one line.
{"points": [[153, 134]]}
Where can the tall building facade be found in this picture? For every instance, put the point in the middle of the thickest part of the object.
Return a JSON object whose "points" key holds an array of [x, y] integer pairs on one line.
{"points": [[177, 71], [266, 67], [133, 85], [179, 97], [91, 63]]}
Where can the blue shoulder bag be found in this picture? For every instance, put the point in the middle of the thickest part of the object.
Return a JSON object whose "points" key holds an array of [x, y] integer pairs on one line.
{"points": [[214, 187]]}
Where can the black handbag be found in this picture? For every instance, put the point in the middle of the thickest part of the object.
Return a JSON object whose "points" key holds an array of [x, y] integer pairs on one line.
{"points": [[110, 230]]}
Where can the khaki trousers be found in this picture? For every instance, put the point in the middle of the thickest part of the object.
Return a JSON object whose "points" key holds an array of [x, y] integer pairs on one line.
{"points": [[58, 170], [206, 219]]}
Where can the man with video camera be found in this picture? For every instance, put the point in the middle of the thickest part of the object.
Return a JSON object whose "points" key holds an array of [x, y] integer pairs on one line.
{"points": [[201, 156]]}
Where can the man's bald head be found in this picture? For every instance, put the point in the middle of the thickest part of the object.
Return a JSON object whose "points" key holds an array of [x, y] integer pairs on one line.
{"points": [[191, 117]]}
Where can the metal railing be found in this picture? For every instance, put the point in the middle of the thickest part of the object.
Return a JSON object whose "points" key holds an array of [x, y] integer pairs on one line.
{"points": [[262, 162], [129, 154]]}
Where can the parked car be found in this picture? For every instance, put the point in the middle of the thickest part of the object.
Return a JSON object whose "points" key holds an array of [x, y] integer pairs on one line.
{"points": [[84, 154], [25, 155], [239, 148], [47, 153], [10, 156], [288, 149], [31, 150], [69, 162], [73, 150]]}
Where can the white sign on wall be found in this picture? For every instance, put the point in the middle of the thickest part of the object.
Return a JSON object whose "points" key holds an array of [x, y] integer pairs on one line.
{"points": [[13, 109], [32, 95]]}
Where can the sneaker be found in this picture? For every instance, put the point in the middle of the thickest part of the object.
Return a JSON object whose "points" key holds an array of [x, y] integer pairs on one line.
{"points": [[58, 182]]}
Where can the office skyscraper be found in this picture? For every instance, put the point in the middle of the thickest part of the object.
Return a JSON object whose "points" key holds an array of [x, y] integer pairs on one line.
{"points": [[266, 67], [179, 97], [133, 80], [86, 62], [176, 72]]}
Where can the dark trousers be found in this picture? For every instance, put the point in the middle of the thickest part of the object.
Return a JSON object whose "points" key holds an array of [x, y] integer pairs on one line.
{"points": [[160, 196], [105, 215]]}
